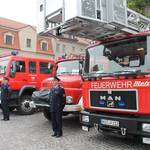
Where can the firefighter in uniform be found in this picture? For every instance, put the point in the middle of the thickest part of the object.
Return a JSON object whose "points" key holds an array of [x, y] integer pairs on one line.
{"points": [[5, 95], [57, 99]]}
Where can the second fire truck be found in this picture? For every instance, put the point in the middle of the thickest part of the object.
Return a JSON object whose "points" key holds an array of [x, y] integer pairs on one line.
{"points": [[68, 70]]}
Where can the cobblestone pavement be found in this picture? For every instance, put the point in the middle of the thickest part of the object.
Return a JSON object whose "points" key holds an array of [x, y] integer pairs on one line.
{"points": [[34, 133]]}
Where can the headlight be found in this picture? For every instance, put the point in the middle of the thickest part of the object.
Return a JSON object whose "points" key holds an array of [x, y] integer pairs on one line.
{"points": [[146, 140], [85, 118], [69, 100], [146, 127]]}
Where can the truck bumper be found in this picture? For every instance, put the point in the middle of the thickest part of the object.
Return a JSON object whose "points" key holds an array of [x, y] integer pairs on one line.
{"points": [[118, 125], [68, 108], [72, 108]]}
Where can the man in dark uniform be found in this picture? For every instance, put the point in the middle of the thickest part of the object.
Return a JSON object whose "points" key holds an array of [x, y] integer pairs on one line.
{"points": [[5, 95], [57, 99]]}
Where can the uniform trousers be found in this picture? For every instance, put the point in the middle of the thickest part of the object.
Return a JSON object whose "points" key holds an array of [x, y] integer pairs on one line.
{"points": [[56, 118]]}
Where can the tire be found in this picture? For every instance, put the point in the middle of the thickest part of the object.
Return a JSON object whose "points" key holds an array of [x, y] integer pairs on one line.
{"points": [[24, 106], [47, 114]]}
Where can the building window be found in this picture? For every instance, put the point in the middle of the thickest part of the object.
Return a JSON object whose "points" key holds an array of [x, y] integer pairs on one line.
{"points": [[57, 47], [44, 46], [8, 38], [45, 68], [32, 67], [41, 7], [28, 43]]}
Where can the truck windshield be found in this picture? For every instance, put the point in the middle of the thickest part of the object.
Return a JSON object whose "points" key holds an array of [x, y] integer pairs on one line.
{"points": [[120, 56], [68, 67], [3, 65]]}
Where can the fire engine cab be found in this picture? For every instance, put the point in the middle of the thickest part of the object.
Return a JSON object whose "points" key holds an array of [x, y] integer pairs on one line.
{"points": [[25, 76], [68, 70], [116, 74]]}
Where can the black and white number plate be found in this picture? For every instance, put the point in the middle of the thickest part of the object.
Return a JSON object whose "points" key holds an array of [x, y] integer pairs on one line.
{"points": [[107, 122]]}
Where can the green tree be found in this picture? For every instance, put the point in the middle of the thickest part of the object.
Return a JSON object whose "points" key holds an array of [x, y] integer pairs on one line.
{"points": [[139, 6]]}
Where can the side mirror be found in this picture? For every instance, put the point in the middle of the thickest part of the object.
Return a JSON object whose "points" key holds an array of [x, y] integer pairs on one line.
{"points": [[12, 70], [80, 71], [81, 63], [12, 74], [50, 66]]}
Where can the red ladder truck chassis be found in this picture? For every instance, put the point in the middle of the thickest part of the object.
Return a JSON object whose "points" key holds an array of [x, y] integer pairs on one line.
{"points": [[116, 87], [25, 76]]}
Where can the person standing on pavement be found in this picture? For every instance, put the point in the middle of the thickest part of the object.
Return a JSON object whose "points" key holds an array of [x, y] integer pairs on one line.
{"points": [[57, 100], [5, 95]]}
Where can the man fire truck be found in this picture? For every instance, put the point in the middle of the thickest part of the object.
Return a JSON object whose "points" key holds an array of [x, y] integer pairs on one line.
{"points": [[68, 70], [116, 76], [25, 76]]}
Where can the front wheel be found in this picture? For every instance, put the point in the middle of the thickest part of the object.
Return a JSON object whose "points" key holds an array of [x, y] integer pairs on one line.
{"points": [[47, 114], [25, 106]]}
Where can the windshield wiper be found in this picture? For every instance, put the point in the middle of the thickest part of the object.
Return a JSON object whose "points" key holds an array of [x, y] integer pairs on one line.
{"points": [[96, 74], [129, 72], [66, 73]]}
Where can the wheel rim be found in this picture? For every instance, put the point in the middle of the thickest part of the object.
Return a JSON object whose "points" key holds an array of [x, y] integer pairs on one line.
{"points": [[26, 105]]}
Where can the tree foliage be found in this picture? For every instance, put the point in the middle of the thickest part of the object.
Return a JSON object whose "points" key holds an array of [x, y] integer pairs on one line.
{"points": [[139, 6]]}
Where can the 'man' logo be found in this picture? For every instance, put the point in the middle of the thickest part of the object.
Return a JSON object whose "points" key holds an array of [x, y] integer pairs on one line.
{"points": [[110, 98]]}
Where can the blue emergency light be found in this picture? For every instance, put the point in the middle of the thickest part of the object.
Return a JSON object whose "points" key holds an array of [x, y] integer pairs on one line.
{"points": [[15, 52]]}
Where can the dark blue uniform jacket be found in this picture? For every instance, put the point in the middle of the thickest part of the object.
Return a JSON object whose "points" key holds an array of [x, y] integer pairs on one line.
{"points": [[57, 99], [5, 93]]}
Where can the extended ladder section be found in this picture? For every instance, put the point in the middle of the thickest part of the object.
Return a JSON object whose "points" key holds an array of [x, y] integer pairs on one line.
{"points": [[90, 19]]}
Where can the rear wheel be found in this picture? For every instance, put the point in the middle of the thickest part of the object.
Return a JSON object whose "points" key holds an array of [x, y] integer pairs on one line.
{"points": [[47, 114], [25, 107]]}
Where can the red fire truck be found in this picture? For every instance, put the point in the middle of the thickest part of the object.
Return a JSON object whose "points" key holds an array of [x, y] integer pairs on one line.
{"points": [[25, 76], [68, 70], [116, 74], [116, 87]]}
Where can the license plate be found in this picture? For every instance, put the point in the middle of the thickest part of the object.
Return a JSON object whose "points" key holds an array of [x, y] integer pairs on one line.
{"points": [[109, 122], [84, 128]]}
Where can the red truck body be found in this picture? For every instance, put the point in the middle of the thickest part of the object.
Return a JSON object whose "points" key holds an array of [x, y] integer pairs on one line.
{"points": [[25, 76], [68, 71], [116, 87]]}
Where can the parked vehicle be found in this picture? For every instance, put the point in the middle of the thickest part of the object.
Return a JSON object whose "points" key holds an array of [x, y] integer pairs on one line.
{"points": [[69, 72], [117, 86], [25, 76], [116, 77]]}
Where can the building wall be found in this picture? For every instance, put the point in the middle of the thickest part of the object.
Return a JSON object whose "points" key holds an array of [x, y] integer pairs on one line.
{"points": [[49, 42], [56, 47], [4, 51], [27, 33], [66, 47], [15, 44]]}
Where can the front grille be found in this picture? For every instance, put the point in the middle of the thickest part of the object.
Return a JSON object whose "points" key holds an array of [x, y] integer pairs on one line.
{"points": [[114, 99]]}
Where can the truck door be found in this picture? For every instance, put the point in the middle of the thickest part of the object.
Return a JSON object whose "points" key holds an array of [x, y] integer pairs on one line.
{"points": [[19, 77], [45, 70], [32, 74]]}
